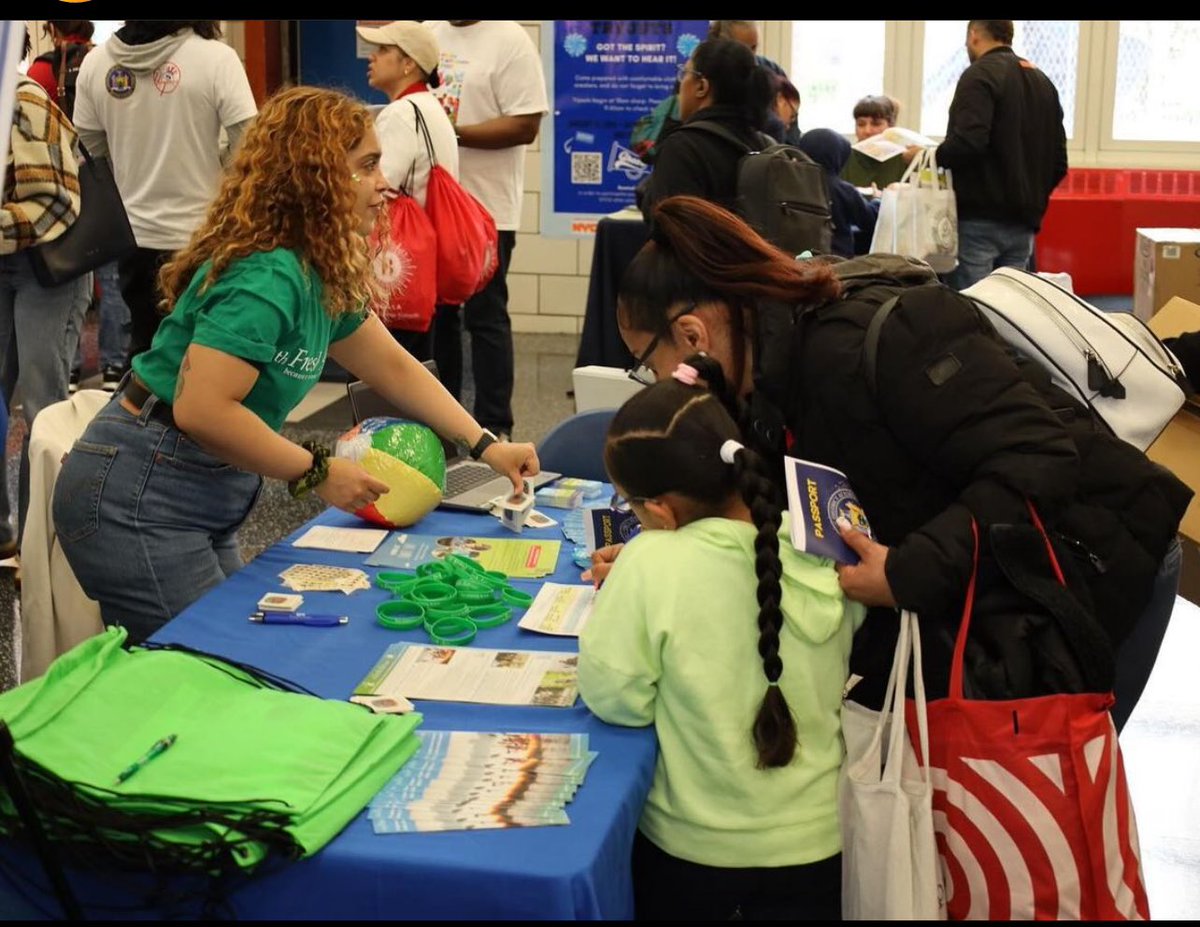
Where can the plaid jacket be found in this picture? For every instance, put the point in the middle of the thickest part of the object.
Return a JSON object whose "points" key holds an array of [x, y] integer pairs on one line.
{"points": [[41, 184]]}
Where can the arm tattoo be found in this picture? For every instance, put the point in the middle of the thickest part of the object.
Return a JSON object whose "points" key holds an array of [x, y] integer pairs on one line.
{"points": [[183, 369]]}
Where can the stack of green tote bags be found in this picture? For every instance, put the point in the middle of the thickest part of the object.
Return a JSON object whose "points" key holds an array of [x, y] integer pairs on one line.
{"points": [[253, 772]]}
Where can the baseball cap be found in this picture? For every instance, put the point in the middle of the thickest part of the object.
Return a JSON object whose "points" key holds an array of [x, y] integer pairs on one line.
{"points": [[412, 38]]}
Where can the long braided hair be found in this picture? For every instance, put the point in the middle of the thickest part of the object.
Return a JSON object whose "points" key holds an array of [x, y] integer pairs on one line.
{"points": [[680, 439]]}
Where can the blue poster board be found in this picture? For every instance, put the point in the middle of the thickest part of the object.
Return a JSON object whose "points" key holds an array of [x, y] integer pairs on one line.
{"points": [[328, 58], [603, 76]]}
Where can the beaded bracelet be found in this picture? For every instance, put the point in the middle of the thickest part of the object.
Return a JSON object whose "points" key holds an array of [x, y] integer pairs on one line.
{"points": [[314, 475]]}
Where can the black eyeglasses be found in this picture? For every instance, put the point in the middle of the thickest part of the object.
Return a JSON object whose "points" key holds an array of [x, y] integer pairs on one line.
{"points": [[640, 372], [619, 503]]}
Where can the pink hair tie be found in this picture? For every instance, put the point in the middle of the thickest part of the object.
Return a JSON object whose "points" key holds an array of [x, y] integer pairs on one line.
{"points": [[686, 374]]}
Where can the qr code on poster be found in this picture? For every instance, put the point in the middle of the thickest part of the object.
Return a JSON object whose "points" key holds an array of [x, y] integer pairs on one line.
{"points": [[587, 167]]}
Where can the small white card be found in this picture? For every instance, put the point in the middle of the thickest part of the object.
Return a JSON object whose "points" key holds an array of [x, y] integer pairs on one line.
{"points": [[350, 540], [280, 602]]}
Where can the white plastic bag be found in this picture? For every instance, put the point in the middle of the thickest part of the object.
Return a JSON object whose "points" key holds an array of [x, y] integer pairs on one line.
{"points": [[918, 216], [890, 868]]}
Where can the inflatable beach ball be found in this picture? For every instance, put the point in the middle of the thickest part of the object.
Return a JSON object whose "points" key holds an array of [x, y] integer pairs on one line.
{"points": [[405, 455]]}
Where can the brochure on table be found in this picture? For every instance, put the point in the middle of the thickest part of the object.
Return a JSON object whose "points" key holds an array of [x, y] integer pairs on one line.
{"points": [[473, 674], [525, 559], [559, 609]]}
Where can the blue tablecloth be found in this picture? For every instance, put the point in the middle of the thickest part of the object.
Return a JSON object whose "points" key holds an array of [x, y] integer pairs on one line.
{"points": [[577, 871]]}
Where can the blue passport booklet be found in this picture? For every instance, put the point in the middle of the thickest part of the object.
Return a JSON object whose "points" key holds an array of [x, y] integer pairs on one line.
{"points": [[604, 526], [817, 497]]}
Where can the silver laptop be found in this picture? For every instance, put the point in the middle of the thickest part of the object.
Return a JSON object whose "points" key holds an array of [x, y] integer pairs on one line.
{"points": [[471, 485]]}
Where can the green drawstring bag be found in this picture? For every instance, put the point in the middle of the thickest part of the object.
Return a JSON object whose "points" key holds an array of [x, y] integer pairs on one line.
{"points": [[252, 768]]}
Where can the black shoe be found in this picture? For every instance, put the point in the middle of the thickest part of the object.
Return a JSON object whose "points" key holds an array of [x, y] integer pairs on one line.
{"points": [[73, 383], [110, 378]]}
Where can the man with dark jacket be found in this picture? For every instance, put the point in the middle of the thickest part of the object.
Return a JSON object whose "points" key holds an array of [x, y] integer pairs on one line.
{"points": [[1007, 149]]}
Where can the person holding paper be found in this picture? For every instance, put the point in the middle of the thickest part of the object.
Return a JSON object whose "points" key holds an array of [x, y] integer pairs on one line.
{"points": [[950, 427], [874, 115], [149, 500], [734, 646]]}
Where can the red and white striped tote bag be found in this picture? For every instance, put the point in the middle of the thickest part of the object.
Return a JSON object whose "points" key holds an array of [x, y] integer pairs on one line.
{"points": [[1031, 808]]}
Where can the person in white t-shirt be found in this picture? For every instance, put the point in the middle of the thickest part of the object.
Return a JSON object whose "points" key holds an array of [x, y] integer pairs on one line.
{"points": [[154, 99], [405, 66], [494, 91]]}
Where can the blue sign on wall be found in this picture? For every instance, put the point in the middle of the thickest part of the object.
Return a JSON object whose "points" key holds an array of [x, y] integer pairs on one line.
{"points": [[603, 76]]}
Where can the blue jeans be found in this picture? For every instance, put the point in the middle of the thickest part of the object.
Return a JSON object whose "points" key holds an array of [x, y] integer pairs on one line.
{"points": [[114, 321], [147, 518], [39, 332], [1137, 653], [486, 316], [984, 245]]}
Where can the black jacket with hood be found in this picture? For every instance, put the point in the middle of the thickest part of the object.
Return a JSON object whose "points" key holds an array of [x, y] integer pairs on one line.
{"points": [[950, 428]]}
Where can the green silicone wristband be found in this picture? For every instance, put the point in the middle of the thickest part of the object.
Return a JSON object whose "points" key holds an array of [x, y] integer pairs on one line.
{"points": [[395, 580], [431, 592], [489, 616], [475, 593], [400, 615], [452, 632], [494, 578], [465, 563], [437, 612], [435, 570], [516, 597]]}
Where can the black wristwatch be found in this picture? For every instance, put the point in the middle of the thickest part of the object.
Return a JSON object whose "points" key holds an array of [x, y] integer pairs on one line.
{"points": [[486, 440]]}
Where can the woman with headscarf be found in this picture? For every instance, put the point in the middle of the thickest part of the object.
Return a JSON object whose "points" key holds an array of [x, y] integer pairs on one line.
{"points": [[853, 216]]}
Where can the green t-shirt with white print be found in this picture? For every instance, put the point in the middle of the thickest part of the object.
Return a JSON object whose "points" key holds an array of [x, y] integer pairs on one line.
{"points": [[267, 309]]}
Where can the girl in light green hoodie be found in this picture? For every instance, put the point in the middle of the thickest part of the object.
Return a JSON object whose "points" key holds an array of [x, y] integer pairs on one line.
{"points": [[735, 647]]}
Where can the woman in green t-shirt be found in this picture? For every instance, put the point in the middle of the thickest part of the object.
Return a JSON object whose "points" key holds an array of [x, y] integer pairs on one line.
{"points": [[149, 500]]}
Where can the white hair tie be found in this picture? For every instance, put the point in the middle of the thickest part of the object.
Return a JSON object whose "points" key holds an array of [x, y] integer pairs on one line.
{"points": [[729, 450]]}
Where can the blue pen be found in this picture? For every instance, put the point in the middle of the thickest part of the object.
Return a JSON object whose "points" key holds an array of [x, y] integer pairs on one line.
{"points": [[313, 621]]}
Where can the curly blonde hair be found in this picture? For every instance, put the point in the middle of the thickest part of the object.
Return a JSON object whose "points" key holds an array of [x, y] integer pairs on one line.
{"points": [[288, 186]]}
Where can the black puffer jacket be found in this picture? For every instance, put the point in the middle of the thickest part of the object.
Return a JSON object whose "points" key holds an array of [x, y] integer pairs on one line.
{"points": [[952, 428]]}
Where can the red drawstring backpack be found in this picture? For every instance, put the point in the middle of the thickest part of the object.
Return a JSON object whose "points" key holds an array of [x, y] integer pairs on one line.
{"points": [[467, 241], [405, 264]]}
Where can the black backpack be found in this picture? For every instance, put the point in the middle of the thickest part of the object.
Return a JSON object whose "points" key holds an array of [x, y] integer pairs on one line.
{"points": [[66, 60], [781, 192]]}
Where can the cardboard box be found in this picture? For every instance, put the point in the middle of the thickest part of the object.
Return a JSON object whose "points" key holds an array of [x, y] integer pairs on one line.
{"points": [[1178, 447], [1166, 264]]}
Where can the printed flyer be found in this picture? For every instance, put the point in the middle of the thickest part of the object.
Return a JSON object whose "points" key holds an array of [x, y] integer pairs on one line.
{"points": [[516, 559], [463, 780], [472, 674]]}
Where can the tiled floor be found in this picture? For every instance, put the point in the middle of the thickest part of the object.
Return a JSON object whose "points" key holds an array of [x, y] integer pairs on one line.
{"points": [[1161, 742]]}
